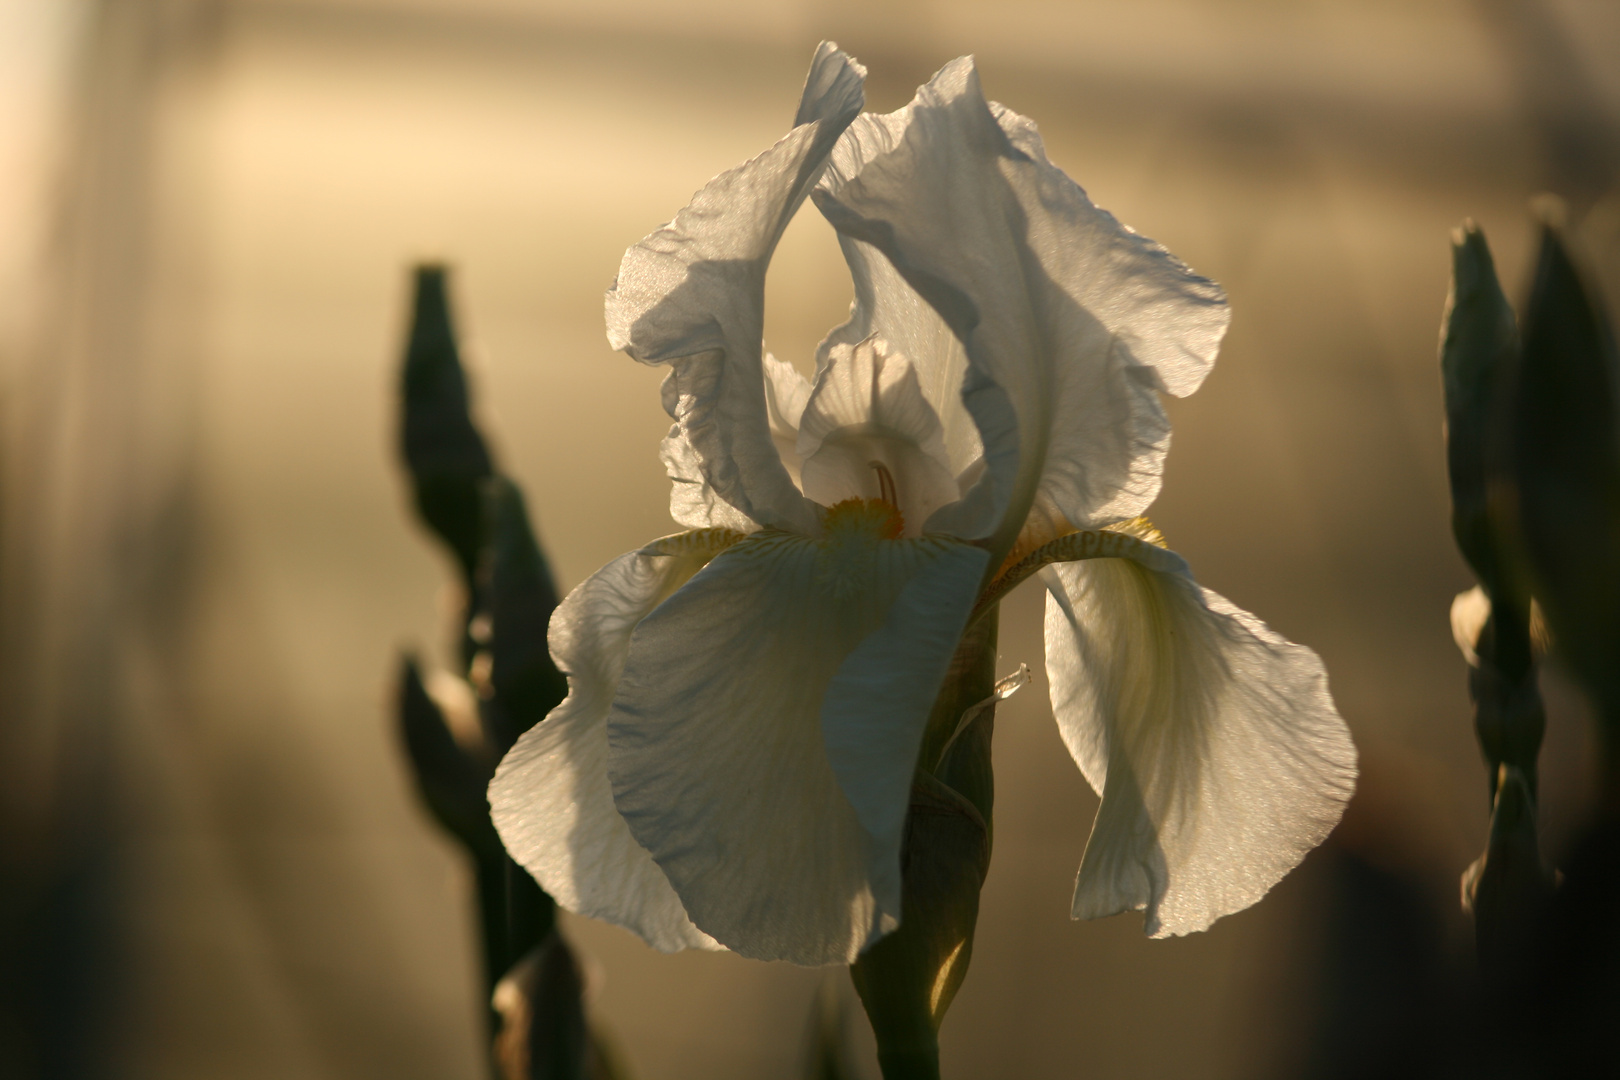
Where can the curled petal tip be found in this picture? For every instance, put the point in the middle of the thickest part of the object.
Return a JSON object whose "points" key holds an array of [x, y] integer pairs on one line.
{"points": [[834, 88]]}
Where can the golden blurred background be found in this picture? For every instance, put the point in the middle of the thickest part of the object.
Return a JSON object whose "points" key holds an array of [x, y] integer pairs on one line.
{"points": [[208, 565]]}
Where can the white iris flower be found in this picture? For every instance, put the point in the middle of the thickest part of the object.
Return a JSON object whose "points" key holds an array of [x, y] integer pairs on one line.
{"points": [[733, 762]]}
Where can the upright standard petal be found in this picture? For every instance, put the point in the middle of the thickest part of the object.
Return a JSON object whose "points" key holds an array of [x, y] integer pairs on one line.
{"points": [[1074, 319], [692, 295], [1218, 752], [767, 726], [786, 394], [551, 800], [693, 502], [887, 307]]}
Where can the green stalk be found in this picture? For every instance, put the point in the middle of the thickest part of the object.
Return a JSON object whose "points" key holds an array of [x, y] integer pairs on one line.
{"points": [[907, 981], [910, 1063]]}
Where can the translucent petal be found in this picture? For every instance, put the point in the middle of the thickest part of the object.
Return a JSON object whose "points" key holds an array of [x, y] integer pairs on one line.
{"points": [[692, 501], [786, 393], [867, 409], [551, 800], [692, 295], [1218, 752], [767, 726], [1071, 319], [891, 309], [980, 427]]}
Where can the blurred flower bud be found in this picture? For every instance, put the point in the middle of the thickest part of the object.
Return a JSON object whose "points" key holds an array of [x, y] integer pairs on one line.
{"points": [[451, 776], [445, 454], [1492, 624], [519, 597], [506, 680], [1564, 444], [1478, 346], [1509, 721]]}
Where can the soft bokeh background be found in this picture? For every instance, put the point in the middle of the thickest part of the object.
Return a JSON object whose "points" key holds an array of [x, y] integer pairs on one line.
{"points": [[207, 209]]}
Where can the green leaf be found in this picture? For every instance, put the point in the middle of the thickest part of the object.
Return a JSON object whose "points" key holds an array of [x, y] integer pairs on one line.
{"points": [[1565, 448]]}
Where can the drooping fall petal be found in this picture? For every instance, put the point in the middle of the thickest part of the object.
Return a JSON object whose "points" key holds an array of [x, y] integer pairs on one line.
{"points": [[551, 800], [1218, 753], [734, 755], [692, 295], [896, 672]]}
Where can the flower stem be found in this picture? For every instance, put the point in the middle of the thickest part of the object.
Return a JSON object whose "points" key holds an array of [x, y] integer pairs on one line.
{"points": [[907, 980], [910, 1063]]}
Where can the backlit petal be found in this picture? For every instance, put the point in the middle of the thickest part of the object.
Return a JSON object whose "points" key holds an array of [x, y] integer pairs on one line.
{"points": [[891, 309], [1218, 752], [692, 501], [868, 409], [786, 393], [767, 725], [1075, 320], [692, 295], [551, 800]]}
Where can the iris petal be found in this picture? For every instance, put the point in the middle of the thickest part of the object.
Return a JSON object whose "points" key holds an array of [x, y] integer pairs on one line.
{"points": [[766, 729], [786, 393], [551, 800], [889, 308], [1071, 322], [692, 295], [1218, 752]]}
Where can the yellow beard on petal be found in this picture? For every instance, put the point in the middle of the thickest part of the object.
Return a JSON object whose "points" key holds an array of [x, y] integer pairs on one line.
{"points": [[863, 519], [853, 530]]}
